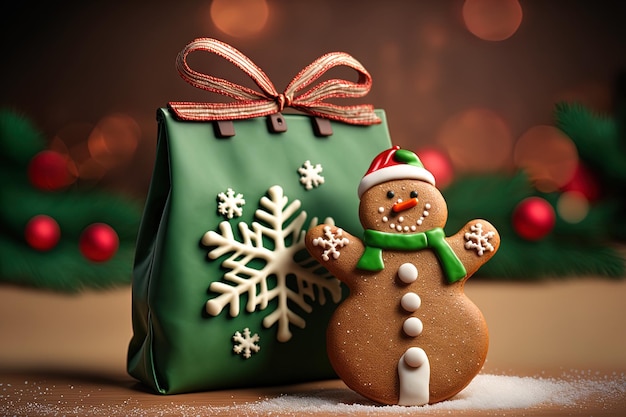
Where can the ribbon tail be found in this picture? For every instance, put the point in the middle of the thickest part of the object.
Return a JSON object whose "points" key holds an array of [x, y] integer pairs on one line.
{"points": [[371, 260], [222, 111], [359, 114]]}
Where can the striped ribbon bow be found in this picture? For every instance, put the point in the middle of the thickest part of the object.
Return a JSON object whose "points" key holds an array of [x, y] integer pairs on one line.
{"points": [[249, 103]]}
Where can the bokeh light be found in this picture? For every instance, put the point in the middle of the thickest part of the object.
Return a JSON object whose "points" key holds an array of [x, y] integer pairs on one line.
{"points": [[594, 94], [477, 140], [239, 18], [572, 206], [584, 181], [72, 136], [433, 35], [60, 147], [114, 140], [548, 156], [492, 20], [438, 163], [71, 141], [90, 170], [427, 76], [94, 150]]}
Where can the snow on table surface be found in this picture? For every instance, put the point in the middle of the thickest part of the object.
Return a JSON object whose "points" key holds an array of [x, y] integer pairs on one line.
{"points": [[574, 393]]}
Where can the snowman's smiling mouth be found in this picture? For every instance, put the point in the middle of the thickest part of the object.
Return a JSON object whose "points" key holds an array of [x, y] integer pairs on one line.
{"points": [[400, 223]]}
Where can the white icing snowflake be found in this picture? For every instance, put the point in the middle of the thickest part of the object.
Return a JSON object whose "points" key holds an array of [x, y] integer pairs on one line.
{"points": [[246, 344], [230, 204], [331, 242], [479, 240], [310, 175], [251, 263]]}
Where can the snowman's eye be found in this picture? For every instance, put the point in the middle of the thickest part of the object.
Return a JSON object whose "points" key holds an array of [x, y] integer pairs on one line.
{"points": [[413, 194], [390, 194]]}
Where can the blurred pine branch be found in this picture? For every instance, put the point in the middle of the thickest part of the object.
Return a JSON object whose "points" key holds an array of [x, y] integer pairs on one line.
{"points": [[63, 268]]}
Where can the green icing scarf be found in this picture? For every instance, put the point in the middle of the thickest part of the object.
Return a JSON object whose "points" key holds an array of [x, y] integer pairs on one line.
{"points": [[375, 242]]}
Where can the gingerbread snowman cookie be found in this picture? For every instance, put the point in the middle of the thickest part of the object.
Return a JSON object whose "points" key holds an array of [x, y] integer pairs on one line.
{"points": [[406, 334]]}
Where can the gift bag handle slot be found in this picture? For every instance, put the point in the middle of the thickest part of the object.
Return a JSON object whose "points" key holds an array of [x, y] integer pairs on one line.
{"points": [[276, 123], [322, 127], [224, 129]]}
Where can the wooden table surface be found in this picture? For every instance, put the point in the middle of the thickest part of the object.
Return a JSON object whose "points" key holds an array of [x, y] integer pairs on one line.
{"points": [[65, 355], [54, 393]]}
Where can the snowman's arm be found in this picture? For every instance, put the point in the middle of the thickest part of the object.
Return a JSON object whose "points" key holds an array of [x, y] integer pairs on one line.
{"points": [[336, 250], [475, 244]]}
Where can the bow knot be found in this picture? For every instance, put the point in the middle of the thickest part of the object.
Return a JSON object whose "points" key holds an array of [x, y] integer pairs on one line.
{"points": [[249, 103], [283, 101]]}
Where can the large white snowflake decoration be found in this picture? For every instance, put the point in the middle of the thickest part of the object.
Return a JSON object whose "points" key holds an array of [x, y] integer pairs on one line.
{"points": [[230, 204], [479, 240], [278, 224], [310, 175], [331, 242], [246, 343]]}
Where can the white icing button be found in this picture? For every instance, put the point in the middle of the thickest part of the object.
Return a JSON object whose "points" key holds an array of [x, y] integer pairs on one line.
{"points": [[413, 326], [410, 301], [415, 357], [381, 209], [407, 273]]}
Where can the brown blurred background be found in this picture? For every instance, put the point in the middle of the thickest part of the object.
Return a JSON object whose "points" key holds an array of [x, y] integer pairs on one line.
{"points": [[493, 67]]}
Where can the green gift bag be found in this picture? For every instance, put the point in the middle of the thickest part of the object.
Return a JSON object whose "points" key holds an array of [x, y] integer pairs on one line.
{"points": [[224, 293]]}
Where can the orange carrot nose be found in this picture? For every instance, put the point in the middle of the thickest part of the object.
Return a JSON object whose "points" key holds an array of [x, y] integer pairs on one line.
{"points": [[405, 205]]}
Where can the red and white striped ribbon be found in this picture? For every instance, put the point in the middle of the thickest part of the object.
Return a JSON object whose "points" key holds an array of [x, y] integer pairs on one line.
{"points": [[249, 103]]}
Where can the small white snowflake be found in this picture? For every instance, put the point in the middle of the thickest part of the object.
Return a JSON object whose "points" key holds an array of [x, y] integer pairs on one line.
{"points": [[246, 344], [310, 175], [479, 240], [230, 204], [332, 242]]}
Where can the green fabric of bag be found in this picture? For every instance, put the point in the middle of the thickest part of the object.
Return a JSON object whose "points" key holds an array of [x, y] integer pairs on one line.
{"points": [[189, 253], [224, 292]]}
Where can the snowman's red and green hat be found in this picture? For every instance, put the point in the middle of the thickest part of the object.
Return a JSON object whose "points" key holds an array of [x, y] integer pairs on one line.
{"points": [[394, 164]]}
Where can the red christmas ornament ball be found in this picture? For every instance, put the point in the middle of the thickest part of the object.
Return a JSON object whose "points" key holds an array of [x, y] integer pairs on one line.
{"points": [[533, 218], [585, 182], [98, 242], [48, 171], [42, 233], [438, 164]]}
